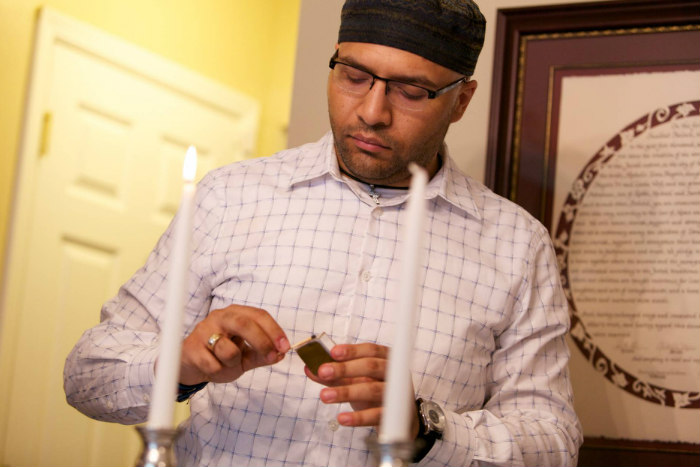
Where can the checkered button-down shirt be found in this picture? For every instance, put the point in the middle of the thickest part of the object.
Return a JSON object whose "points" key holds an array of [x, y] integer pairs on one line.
{"points": [[291, 235]]}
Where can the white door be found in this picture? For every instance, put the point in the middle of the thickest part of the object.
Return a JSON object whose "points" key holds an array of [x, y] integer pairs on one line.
{"points": [[93, 199]]}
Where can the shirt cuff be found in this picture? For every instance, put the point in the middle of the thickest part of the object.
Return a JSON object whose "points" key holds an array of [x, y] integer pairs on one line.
{"points": [[455, 446], [141, 375]]}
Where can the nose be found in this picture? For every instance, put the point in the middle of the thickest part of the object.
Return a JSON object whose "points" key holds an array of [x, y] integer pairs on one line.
{"points": [[375, 108]]}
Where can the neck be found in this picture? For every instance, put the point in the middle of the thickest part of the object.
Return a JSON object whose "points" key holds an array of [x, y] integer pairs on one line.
{"points": [[373, 185]]}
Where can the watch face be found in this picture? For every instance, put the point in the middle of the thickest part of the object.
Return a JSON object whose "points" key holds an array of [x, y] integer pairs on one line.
{"points": [[434, 416]]}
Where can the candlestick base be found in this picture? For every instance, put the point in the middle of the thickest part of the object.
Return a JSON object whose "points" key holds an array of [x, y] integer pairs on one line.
{"points": [[157, 448], [396, 454]]}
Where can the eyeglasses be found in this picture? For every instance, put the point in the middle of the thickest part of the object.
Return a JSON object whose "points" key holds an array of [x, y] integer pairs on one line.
{"points": [[407, 96]]}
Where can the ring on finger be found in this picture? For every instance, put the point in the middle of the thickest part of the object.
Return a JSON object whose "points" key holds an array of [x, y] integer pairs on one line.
{"points": [[213, 339]]}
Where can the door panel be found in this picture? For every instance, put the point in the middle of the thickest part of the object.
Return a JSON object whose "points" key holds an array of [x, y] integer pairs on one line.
{"points": [[101, 195]]}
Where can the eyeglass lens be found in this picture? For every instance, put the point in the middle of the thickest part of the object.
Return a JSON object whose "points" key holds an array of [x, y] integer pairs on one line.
{"points": [[359, 82]]}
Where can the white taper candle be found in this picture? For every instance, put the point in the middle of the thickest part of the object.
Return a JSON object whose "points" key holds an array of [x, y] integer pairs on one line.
{"points": [[164, 390], [396, 413]]}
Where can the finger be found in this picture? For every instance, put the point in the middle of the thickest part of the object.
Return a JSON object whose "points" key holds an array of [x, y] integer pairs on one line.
{"points": [[340, 382], [333, 382], [367, 392], [345, 352], [227, 352], [252, 359], [237, 351], [256, 327], [366, 417], [246, 338], [196, 362], [312, 376], [271, 329], [257, 348], [202, 365], [372, 368]]}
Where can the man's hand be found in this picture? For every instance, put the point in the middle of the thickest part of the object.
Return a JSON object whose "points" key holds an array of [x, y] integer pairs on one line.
{"points": [[250, 338], [357, 376]]}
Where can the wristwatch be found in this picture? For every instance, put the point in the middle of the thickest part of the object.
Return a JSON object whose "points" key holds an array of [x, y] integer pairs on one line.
{"points": [[431, 425]]}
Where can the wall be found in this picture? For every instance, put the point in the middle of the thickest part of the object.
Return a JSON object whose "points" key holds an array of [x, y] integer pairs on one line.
{"points": [[243, 44]]}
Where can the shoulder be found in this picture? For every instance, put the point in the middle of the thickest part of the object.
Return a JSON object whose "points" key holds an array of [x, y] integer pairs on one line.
{"points": [[480, 201], [498, 207], [497, 215]]}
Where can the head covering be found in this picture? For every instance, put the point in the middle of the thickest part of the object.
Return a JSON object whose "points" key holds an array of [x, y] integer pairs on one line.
{"points": [[447, 32]]}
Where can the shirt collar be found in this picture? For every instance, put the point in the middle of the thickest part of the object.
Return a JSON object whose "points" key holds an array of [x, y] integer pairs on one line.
{"points": [[455, 187], [316, 159], [319, 159]]}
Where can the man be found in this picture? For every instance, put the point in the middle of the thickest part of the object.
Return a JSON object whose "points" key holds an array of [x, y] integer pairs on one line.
{"points": [[305, 242]]}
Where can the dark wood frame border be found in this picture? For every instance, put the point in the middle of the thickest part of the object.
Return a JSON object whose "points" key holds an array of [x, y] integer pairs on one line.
{"points": [[514, 23], [511, 26]]}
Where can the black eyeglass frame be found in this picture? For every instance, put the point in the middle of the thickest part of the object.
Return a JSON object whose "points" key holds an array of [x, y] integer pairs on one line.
{"points": [[431, 94]]}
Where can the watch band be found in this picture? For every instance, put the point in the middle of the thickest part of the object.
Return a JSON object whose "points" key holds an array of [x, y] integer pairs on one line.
{"points": [[426, 435], [185, 391]]}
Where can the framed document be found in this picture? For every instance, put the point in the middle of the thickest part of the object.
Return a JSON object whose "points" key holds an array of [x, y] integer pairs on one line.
{"points": [[595, 130]]}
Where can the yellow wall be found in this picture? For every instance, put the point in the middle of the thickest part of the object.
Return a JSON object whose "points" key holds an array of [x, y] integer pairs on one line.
{"points": [[245, 44]]}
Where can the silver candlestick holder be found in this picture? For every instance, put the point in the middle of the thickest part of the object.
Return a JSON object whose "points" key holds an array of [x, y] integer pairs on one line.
{"points": [[157, 450], [395, 454]]}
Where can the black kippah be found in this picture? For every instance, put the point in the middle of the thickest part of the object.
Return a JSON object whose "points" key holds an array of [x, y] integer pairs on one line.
{"points": [[447, 32]]}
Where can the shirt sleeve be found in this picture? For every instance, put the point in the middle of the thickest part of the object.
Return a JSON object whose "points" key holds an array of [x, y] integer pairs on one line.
{"points": [[528, 417], [109, 373]]}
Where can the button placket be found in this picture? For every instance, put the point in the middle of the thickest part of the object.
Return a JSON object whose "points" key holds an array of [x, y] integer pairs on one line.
{"points": [[363, 272]]}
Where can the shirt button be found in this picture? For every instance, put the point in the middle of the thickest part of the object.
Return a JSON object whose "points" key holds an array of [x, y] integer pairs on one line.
{"points": [[110, 405], [377, 213], [146, 397], [366, 276]]}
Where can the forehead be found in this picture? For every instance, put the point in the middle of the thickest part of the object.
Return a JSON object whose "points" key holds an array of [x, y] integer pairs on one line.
{"points": [[390, 62]]}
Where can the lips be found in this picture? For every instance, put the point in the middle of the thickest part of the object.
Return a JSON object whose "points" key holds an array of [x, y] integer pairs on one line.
{"points": [[368, 143]]}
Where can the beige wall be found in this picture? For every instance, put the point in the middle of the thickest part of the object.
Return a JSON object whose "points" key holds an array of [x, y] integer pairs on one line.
{"points": [[246, 45], [318, 31]]}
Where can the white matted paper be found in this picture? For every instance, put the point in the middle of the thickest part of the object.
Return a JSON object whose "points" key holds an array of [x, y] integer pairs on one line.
{"points": [[628, 188]]}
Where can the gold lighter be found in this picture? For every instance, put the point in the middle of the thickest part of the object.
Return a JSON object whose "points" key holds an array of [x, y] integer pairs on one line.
{"points": [[315, 351]]}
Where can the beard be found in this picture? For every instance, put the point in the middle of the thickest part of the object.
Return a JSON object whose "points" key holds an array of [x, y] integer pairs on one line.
{"points": [[378, 168]]}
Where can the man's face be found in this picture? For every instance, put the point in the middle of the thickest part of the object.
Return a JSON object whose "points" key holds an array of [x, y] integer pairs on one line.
{"points": [[374, 140]]}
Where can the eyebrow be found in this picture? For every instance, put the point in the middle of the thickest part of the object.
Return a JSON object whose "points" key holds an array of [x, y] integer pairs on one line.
{"points": [[420, 80]]}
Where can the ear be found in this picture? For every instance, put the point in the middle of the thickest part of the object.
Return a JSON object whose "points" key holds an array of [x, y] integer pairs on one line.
{"points": [[463, 99]]}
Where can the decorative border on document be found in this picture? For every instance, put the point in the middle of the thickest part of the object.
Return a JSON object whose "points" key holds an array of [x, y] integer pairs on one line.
{"points": [[581, 337]]}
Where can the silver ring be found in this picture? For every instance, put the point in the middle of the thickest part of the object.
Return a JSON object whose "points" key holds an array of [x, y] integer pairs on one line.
{"points": [[213, 339]]}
